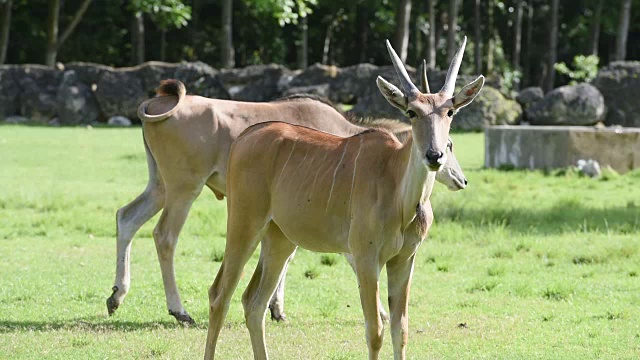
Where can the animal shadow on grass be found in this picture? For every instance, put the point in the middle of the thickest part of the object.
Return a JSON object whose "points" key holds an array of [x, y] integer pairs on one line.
{"points": [[565, 216], [95, 324]]}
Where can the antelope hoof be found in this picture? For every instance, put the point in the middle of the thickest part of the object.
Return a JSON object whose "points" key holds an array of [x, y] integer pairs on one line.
{"points": [[112, 303], [384, 316], [277, 315], [182, 318]]}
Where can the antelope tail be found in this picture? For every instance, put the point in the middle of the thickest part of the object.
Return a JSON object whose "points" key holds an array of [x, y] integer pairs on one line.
{"points": [[169, 87]]}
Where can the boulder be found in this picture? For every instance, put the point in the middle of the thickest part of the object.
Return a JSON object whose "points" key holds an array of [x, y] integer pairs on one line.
{"points": [[321, 90], [38, 91], [528, 97], [76, 102], [490, 107], [201, 79], [255, 83], [16, 119], [315, 74], [580, 104], [119, 121], [88, 73], [119, 91], [619, 83], [358, 81], [9, 92], [152, 72]]}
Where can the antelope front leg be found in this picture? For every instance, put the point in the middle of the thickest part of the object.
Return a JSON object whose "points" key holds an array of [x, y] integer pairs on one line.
{"points": [[349, 257], [399, 272], [368, 272]]}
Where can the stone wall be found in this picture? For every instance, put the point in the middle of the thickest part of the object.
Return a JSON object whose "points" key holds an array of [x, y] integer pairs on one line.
{"points": [[84, 93]]}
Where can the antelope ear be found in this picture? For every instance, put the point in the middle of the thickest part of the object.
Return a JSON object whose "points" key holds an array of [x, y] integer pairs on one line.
{"points": [[468, 93], [393, 95]]}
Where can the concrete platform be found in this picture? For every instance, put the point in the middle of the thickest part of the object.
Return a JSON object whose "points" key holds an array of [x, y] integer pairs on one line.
{"points": [[548, 147]]}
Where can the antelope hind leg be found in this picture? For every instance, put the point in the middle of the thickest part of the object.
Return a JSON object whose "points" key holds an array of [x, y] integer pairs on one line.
{"points": [[129, 219], [276, 305], [177, 206]]}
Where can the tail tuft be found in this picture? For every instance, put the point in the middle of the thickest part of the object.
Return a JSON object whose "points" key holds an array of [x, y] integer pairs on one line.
{"points": [[170, 87]]}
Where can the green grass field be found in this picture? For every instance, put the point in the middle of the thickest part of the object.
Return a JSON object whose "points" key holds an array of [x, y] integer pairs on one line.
{"points": [[520, 265]]}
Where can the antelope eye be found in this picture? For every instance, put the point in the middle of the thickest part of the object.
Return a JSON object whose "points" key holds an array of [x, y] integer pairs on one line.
{"points": [[450, 145], [450, 113], [411, 113]]}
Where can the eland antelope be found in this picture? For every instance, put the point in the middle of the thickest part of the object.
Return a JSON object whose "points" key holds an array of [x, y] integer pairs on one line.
{"points": [[187, 141], [366, 195]]}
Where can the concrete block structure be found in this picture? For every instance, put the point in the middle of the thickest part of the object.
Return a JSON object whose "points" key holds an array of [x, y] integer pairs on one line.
{"points": [[549, 147]]}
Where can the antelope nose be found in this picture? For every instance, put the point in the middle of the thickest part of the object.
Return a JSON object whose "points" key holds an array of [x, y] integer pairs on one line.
{"points": [[466, 182], [433, 157]]}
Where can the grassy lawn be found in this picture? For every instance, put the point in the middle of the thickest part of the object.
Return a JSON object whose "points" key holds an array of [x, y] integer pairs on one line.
{"points": [[519, 265]]}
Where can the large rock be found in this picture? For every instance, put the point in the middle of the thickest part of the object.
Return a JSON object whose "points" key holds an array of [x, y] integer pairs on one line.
{"points": [[38, 91], [490, 107], [580, 104], [314, 75], [321, 90], [119, 92], [9, 92], [119, 121], [88, 73], [255, 83], [201, 79], [76, 102], [152, 72], [528, 97], [619, 83]]}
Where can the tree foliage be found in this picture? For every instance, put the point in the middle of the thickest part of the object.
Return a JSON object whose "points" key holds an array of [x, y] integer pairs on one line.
{"points": [[164, 13], [340, 32], [285, 11]]}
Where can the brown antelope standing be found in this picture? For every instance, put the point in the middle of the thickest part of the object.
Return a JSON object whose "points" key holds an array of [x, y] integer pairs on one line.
{"points": [[187, 141], [366, 195]]}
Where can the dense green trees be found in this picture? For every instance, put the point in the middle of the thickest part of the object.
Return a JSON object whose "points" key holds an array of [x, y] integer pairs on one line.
{"points": [[511, 38]]}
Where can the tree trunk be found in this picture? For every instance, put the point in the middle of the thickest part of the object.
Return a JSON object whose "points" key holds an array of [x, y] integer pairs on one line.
{"points": [[163, 44], [595, 28], [195, 21], [623, 30], [53, 41], [52, 32], [553, 47], [228, 60], [491, 44], [529, 44], [327, 44], [451, 32], [303, 46], [478, 35], [5, 15], [362, 38], [401, 38], [431, 43], [138, 38], [517, 40]]}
